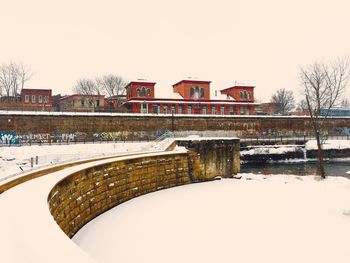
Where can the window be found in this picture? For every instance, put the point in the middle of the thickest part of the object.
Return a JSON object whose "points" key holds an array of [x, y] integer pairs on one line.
{"points": [[242, 110], [148, 92], [213, 110], [180, 109], [202, 93], [248, 95], [172, 109], [165, 109], [143, 108], [189, 109], [82, 102], [33, 98], [232, 110], [46, 99], [192, 93], [40, 99], [222, 110], [26, 98], [204, 110], [248, 110], [97, 103], [138, 92], [241, 95], [156, 108], [196, 94], [143, 91], [245, 95]]}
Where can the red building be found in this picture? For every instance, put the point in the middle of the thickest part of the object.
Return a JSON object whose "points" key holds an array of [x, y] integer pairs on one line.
{"points": [[192, 97], [36, 99]]}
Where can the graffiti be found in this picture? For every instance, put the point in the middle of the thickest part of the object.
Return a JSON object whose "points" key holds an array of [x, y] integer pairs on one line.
{"points": [[340, 131], [106, 136], [31, 138], [65, 136], [8, 138]]}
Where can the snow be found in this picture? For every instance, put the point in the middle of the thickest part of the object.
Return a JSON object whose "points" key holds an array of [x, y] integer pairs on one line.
{"points": [[258, 218], [28, 231], [329, 144], [270, 150], [16, 159]]}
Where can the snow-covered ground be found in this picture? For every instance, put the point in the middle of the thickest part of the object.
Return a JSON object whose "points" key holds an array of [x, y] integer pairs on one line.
{"points": [[258, 218], [16, 159], [329, 144]]}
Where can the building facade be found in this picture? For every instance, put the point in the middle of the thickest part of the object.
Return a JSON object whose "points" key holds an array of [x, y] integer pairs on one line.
{"points": [[80, 102], [190, 97], [36, 99]]}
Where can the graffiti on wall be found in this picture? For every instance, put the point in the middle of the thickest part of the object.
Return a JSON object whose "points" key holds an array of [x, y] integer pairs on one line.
{"points": [[8, 137]]}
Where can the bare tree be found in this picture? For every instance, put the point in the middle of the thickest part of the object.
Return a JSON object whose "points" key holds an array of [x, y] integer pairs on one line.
{"points": [[13, 78], [323, 84], [284, 99], [112, 85], [89, 88], [302, 106]]}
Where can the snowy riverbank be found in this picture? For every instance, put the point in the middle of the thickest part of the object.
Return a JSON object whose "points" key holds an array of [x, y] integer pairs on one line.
{"points": [[258, 218]]}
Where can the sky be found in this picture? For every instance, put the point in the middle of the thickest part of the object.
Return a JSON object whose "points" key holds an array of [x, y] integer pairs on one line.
{"points": [[253, 42]]}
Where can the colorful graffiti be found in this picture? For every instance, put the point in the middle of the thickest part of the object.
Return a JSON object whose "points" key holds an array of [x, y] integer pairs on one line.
{"points": [[8, 137]]}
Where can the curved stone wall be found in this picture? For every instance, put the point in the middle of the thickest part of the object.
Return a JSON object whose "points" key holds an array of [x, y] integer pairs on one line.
{"points": [[83, 195]]}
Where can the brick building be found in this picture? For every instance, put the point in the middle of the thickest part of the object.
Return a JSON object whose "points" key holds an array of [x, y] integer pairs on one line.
{"points": [[190, 97], [36, 99]]}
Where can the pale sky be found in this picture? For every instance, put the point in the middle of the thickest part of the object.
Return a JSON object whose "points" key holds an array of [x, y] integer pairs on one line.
{"points": [[257, 42]]}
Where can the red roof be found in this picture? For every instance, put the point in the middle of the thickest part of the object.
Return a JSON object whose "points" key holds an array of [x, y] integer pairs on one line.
{"points": [[238, 87]]}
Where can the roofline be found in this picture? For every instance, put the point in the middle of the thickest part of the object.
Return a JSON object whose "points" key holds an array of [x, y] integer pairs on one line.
{"points": [[192, 80], [80, 95], [140, 82], [238, 86]]}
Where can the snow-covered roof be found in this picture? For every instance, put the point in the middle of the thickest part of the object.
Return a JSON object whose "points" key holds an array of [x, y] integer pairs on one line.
{"points": [[195, 80], [216, 95]]}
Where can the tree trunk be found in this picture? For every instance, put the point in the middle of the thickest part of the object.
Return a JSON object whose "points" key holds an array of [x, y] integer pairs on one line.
{"points": [[320, 163]]}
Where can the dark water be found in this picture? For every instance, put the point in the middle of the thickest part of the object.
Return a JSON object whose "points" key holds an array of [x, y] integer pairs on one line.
{"points": [[333, 168]]}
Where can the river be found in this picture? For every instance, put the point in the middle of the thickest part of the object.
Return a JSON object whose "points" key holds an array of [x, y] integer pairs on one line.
{"points": [[333, 168]]}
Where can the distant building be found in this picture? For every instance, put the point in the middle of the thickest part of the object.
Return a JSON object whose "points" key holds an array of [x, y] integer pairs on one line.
{"points": [[80, 102], [115, 103], [190, 97], [269, 108], [336, 111], [36, 99]]}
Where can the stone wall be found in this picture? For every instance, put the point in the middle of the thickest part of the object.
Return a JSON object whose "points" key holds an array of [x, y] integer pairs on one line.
{"points": [[65, 127], [82, 196]]}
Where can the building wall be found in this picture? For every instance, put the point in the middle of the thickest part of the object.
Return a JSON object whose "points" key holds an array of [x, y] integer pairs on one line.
{"points": [[134, 86], [184, 88], [36, 98], [74, 103], [235, 92]]}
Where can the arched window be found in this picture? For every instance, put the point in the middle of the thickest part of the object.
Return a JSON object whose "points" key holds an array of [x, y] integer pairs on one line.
{"points": [[143, 91], [248, 95], [241, 95], [245, 95], [148, 92], [192, 93], [138, 92], [202, 93], [196, 93]]}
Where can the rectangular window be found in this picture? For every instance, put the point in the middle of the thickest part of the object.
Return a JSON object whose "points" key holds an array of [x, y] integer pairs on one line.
{"points": [[40, 99], [46, 99], [82, 103], [180, 109], [189, 109], [165, 109], [248, 110], [232, 110], [222, 110], [143, 108], [213, 110], [173, 109], [26, 98], [204, 110], [97, 103], [242, 110], [33, 98]]}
